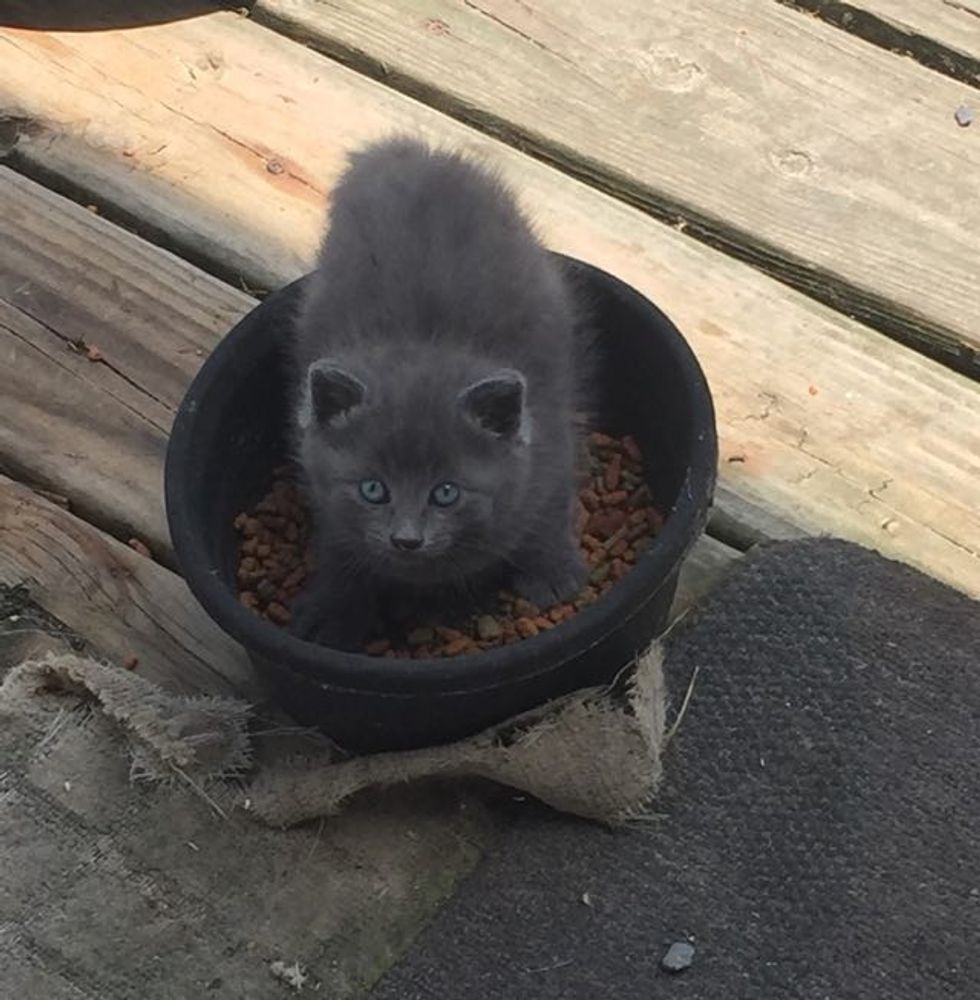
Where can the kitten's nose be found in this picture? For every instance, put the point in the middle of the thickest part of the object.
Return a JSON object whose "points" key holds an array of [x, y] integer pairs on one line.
{"points": [[406, 542]]}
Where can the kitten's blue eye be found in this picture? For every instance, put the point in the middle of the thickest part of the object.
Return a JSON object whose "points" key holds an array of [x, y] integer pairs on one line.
{"points": [[445, 494], [373, 490]]}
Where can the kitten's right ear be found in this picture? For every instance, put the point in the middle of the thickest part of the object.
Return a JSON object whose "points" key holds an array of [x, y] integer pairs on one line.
{"points": [[329, 394]]}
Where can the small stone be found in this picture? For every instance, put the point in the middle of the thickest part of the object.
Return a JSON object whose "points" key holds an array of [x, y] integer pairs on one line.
{"points": [[488, 628], [421, 636], [526, 627], [964, 116], [278, 613], [679, 957]]}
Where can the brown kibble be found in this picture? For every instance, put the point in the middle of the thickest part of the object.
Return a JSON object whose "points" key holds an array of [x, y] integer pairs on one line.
{"points": [[279, 614], [295, 578], [601, 441], [604, 523], [240, 521], [591, 543], [263, 551], [92, 352], [618, 570], [611, 475], [249, 598], [250, 546], [615, 499], [448, 634], [525, 627], [600, 574], [379, 647], [131, 663], [464, 644], [251, 527], [266, 589], [640, 496], [632, 450], [590, 500], [138, 545], [619, 548]]}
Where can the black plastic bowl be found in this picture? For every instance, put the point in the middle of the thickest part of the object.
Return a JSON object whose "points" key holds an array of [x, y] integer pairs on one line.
{"points": [[229, 433]]}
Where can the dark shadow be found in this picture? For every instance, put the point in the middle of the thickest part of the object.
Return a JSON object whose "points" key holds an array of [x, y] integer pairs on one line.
{"points": [[98, 15]]}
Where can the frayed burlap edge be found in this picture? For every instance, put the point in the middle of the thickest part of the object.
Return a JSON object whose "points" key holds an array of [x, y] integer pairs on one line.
{"points": [[594, 753]]}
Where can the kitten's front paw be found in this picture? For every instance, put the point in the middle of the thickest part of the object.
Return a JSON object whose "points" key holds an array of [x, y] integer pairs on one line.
{"points": [[327, 625], [556, 585]]}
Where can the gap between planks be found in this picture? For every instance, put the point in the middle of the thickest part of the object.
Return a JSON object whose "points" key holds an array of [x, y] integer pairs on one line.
{"points": [[942, 35]]}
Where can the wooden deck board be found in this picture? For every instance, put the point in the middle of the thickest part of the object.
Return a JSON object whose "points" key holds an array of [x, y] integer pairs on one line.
{"points": [[123, 603], [96, 430], [815, 411], [831, 162]]}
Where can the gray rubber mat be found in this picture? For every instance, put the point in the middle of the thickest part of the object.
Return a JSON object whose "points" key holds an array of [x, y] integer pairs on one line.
{"points": [[819, 827]]}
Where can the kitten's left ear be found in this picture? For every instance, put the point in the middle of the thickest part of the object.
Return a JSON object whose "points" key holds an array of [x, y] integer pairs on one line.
{"points": [[496, 404], [329, 394]]}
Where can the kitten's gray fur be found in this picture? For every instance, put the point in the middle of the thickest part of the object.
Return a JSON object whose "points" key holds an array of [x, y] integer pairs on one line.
{"points": [[438, 342]]}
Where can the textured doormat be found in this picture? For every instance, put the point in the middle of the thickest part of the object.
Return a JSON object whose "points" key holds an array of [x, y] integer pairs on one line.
{"points": [[817, 834]]}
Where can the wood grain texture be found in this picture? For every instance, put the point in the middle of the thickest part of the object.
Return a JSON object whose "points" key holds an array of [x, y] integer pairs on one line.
{"points": [[823, 422], [758, 125], [122, 603], [96, 431]]}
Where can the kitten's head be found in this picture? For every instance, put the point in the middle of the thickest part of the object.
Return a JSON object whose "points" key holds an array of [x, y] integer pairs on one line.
{"points": [[416, 473]]}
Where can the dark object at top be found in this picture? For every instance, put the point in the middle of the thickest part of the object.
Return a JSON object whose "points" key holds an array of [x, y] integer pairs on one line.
{"points": [[229, 434]]}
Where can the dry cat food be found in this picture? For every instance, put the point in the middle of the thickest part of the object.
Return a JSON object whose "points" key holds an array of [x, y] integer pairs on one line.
{"points": [[616, 521]]}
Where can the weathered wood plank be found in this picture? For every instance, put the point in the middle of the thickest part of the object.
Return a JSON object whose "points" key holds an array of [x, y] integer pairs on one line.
{"points": [[941, 34], [123, 603], [815, 411], [73, 288], [757, 125]]}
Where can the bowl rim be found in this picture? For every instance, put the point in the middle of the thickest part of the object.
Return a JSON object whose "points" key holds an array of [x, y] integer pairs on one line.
{"points": [[487, 669]]}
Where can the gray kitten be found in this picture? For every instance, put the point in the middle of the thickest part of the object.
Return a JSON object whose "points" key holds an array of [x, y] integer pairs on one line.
{"points": [[439, 357]]}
